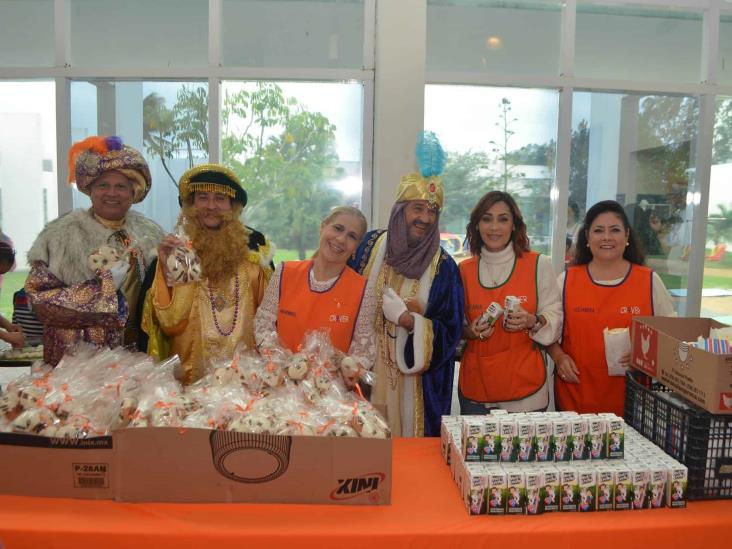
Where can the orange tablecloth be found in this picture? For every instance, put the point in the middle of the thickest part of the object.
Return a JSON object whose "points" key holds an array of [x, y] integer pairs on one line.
{"points": [[426, 511]]}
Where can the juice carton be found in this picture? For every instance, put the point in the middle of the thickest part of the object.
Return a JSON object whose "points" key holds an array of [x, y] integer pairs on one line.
{"points": [[472, 435], [639, 476], [656, 497], [543, 439], [615, 438], [596, 431], [587, 489], [676, 486], [577, 436], [526, 434], [569, 480], [534, 484], [560, 436], [491, 439], [497, 492], [549, 493], [605, 488], [474, 486], [516, 503], [447, 424], [508, 439], [623, 484]]}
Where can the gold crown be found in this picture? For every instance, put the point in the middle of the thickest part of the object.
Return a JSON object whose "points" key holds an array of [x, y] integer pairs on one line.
{"points": [[415, 187]]}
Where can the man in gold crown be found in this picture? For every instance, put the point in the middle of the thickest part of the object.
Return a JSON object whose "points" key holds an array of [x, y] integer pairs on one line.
{"points": [[87, 266], [420, 302], [206, 317]]}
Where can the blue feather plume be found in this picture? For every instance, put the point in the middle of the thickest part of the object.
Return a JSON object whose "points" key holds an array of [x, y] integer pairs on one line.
{"points": [[430, 155]]}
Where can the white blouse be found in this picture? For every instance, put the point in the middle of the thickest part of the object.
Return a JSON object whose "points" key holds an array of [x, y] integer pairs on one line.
{"points": [[363, 344], [494, 268]]}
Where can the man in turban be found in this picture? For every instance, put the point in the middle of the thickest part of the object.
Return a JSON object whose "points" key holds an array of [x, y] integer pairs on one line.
{"points": [[420, 313], [203, 314], [87, 266]]}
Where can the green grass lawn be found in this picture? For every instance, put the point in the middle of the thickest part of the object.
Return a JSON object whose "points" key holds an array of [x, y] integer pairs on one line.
{"points": [[289, 255], [12, 282]]}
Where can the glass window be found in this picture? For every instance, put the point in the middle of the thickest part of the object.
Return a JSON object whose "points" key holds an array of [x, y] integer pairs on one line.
{"points": [[166, 121], [491, 36], [27, 173], [495, 139], [717, 289], [636, 43], [139, 33], [639, 150], [277, 33], [298, 149], [26, 33]]}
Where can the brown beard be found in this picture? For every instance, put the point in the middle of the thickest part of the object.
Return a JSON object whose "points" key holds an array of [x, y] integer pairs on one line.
{"points": [[221, 250]]}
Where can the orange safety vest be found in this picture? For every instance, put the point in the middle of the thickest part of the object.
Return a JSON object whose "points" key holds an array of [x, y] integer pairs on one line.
{"points": [[507, 366], [303, 309], [589, 308]]}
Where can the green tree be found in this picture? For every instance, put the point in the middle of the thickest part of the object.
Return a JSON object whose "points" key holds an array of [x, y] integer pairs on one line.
{"points": [[579, 164], [466, 178], [158, 130], [722, 144], [182, 130], [667, 126], [190, 116], [501, 147], [286, 156], [719, 226]]}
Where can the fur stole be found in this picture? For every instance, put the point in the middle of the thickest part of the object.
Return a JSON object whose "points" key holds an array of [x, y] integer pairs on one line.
{"points": [[66, 243]]}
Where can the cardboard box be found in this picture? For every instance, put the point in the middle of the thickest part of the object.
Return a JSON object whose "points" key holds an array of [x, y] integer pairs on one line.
{"points": [[659, 349], [199, 465], [59, 468]]}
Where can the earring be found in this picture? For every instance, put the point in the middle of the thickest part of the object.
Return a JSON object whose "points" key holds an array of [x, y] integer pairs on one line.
{"points": [[627, 243], [588, 245]]}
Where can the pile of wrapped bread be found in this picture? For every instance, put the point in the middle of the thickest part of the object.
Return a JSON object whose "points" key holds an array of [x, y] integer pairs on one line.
{"points": [[95, 391]]}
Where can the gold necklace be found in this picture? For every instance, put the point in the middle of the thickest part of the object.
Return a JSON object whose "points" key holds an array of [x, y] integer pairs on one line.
{"points": [[387, 278]]}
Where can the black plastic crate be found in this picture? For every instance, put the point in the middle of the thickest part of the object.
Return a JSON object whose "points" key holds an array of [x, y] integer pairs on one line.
{"points": [[696, 438]]}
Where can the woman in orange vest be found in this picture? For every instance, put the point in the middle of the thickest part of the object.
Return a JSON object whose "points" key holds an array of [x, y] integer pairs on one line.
{"points": [[502, 365], [605, 286], [323, 292]]}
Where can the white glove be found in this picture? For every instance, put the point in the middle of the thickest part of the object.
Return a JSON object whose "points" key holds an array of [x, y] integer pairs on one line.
{"points": [[393, 306], [119, 272]]}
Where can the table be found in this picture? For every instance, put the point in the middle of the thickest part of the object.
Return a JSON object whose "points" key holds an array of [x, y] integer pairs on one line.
{"points": [[426, 511]]}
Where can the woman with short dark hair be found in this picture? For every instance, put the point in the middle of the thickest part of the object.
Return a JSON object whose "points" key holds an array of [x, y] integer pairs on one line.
{"points": [[502, 365], [605, 287], [9, 332]]}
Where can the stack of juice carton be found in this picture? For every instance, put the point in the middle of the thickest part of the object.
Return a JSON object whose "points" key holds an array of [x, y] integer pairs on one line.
{"points": [[536, 463]]}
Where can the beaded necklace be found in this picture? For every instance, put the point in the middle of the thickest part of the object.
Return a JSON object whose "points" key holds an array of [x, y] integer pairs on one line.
{"points": [[388, 278], [212, 301]]}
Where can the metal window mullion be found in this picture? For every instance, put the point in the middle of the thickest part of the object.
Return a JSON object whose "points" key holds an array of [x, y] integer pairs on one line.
{"points": [[214, 119], [367, 151], [560, 188], [690, 4], [62, 32], [702, 179], [369, 35], [63, 143], [710, 46], [567, 37]]}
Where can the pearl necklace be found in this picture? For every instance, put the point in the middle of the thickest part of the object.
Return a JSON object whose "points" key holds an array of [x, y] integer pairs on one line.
{"points": [[212, 301]]}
